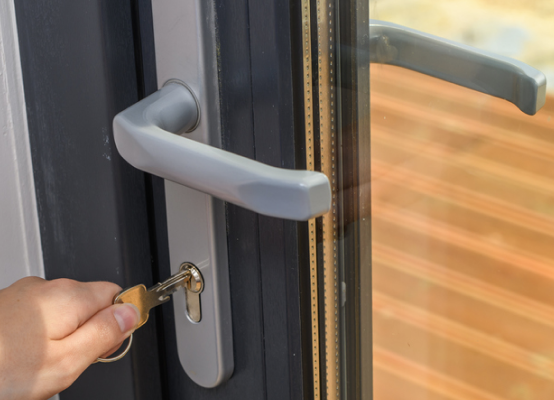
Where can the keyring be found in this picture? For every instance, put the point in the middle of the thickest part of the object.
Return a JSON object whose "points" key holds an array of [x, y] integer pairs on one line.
{"points": [[119, 357]]}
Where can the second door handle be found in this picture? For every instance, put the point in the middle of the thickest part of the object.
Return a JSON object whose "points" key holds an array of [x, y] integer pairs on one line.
{"points": [[454, 62]]}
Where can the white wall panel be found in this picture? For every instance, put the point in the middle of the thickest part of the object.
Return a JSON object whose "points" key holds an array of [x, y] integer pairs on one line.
{"points": [[20, 249]]}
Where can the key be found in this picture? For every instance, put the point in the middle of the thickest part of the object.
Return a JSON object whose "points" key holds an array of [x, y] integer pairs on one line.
{"points": [[188, 277]]}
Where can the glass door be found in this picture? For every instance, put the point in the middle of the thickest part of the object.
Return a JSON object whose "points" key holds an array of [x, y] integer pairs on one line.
{"points": [[433, 276]]}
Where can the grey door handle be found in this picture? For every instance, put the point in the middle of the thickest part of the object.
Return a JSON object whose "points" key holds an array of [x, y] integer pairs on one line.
{"points": [[454, 62], [147, 136]]}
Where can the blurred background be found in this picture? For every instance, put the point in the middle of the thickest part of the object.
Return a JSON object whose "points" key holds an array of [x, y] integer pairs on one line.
{"points": [[514, 28], [462, 198]]}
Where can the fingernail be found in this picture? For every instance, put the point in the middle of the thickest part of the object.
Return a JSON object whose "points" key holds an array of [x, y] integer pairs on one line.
{"points": [[127, 316]]}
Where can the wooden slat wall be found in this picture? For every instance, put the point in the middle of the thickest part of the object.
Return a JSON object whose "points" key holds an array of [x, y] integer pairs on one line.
{"points": [[463, 242]]}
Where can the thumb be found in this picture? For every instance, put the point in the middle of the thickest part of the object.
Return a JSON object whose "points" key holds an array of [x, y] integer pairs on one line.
{"points": [[103, 332]]}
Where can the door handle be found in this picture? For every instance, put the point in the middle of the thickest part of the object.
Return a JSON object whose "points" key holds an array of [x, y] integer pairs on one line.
{"points": [[151, 136], [454, 62]]}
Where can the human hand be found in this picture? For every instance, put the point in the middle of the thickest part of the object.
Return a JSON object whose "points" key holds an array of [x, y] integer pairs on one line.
{"points": [[51, 331]]}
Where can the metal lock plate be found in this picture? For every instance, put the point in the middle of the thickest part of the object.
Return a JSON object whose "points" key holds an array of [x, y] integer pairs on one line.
{"points": [[184, 33]]}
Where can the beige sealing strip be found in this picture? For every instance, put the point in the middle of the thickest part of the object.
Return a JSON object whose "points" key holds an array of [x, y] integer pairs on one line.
{"points": [[328, 145], [308, 103]]}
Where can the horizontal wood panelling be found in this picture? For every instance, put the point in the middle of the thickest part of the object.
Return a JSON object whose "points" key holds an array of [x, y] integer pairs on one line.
{"points": [[463, 242]]}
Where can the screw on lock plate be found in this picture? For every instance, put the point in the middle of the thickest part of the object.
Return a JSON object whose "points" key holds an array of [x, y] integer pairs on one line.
{"points": [[188, 277]]}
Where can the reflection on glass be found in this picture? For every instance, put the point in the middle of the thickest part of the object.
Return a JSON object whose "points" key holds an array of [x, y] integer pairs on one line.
{"points": [[462, 223]]}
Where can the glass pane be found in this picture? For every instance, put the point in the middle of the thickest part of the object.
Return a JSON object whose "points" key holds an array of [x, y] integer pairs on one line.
{"points": [[462, 211]]}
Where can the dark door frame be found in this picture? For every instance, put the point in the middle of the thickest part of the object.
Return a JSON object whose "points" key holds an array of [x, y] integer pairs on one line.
{"points": [[101, 219]]}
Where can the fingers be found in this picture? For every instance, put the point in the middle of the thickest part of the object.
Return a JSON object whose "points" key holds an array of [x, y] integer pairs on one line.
{"points": [[24, 286], [85, 323], [101, 334], [69, 304], [111, 351], [27, 281]]}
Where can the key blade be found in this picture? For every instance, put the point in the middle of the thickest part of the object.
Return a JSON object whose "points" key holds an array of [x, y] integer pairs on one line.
{"points": [[170, 286], [164, 295]]}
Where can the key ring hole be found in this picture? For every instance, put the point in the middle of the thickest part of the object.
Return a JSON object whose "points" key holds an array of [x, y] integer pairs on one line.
{"points": [[119, 357]]}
